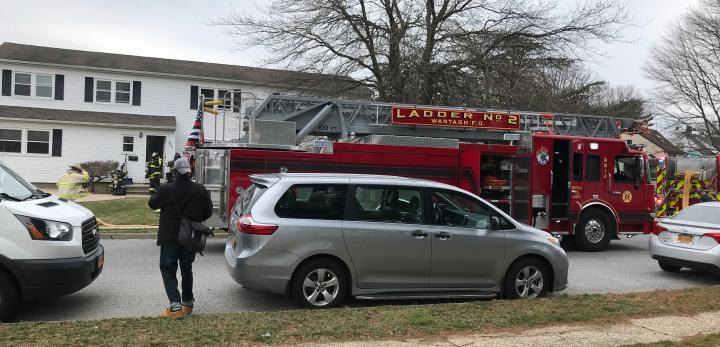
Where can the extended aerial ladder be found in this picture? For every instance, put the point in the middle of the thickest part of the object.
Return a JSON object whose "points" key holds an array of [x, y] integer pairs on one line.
{"points": [[342, 119]]}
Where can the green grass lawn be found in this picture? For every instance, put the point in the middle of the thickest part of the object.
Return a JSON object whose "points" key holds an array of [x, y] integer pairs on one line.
{"points": [[365, 323], [131, 210]]}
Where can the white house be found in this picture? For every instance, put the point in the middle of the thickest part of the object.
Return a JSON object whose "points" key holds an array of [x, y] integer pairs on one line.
{"points": [[59, 106]]}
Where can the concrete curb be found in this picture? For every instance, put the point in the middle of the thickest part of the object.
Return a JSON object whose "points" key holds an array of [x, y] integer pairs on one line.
{"points": [[143, 236]]}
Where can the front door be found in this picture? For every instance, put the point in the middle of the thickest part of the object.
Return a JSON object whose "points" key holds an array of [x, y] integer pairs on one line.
{"points": [[154, 144], [386, 235], [466, 253]]}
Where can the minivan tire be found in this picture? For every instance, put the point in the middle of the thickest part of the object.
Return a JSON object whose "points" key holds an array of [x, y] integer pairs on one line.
{"points": [[668, 267], [333, 283], [9, 297], [526, 269], [594, 231]]}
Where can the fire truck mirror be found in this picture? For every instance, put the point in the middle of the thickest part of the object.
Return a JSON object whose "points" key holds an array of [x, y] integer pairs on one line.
{"points": [[638, 171]]}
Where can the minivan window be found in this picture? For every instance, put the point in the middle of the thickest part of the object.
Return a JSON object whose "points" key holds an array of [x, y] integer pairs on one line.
{"points": [[313, 201], [386, 204], [247, 199], [12, 186], [455, 209]]}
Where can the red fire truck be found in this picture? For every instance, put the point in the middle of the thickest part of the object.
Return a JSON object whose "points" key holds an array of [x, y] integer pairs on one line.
{"points": [[566, 174]]}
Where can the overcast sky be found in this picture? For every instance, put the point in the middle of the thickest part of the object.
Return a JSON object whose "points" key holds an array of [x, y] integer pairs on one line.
{"points": [[176, 29]]}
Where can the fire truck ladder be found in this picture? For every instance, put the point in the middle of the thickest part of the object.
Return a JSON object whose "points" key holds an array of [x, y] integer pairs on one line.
{"points": [[337, 118]]}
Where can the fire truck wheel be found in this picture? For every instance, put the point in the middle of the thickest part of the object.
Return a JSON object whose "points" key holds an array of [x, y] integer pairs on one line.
{"points": [[527, 278], [594, 231]]}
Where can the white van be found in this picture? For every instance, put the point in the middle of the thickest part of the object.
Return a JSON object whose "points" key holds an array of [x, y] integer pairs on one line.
{"points": [[49, 246]]}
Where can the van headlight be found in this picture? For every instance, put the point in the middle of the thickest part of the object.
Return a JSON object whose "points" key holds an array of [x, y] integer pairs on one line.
{"points": [[41, 229]]}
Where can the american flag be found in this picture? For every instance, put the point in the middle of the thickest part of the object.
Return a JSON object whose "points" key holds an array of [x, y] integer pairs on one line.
{"points": [[196, 135]]}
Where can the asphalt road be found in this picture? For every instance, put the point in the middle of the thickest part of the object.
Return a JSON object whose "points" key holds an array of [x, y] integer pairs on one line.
{"points": [[130, 285]]}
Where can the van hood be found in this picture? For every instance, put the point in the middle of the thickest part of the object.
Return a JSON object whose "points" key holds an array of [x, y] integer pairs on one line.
{"points": [[50, 208]]}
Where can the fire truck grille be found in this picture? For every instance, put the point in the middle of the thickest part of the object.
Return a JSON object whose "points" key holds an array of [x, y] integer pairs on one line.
{"points": [[90, 235]]}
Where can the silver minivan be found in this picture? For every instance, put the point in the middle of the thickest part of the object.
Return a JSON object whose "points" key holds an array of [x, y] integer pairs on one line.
{"points": [[319, 238]]}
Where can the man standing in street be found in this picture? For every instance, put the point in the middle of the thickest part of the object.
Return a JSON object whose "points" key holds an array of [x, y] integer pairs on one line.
{"points": [[181, 199]]}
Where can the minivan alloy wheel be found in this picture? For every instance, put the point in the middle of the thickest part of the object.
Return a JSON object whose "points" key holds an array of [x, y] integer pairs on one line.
{"points": [[529, 282], [321, 287]]}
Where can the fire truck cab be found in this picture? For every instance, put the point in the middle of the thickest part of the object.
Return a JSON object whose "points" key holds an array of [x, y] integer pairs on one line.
{"points": [[588, 189]]}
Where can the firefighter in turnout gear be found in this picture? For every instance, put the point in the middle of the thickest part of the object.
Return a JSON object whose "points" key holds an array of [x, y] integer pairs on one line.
{"points": [[154, 170], [73, 184]]}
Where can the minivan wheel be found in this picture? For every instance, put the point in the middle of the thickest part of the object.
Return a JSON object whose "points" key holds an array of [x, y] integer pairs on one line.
{"points": [[594, 231], [9, 297], [669, 268], [320, 283], [526, 279]]}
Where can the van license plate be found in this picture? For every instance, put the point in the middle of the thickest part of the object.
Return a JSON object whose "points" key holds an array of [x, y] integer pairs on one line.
{"points": [[101, 261], [686, 239]]}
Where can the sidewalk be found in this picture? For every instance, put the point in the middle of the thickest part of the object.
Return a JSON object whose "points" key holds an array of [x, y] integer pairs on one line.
{"points": [[98, 196], [646, 330]]}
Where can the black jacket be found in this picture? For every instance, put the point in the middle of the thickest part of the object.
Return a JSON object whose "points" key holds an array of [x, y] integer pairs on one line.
{"points": [[193, 201]]}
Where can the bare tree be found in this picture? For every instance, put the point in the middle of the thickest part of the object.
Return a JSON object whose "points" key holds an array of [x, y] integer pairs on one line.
{"points": [[99, 170], [685, 64], [427, 51]]}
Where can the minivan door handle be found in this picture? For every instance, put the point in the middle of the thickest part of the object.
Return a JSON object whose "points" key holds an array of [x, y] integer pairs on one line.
{"points": [[443, 235], [419, 234]]}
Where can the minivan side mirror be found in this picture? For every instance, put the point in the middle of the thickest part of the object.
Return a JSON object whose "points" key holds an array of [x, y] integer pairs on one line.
{"points": [[494, 222]]}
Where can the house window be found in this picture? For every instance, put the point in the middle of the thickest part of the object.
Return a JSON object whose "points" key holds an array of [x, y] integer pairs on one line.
{"points": [[208, 93], [128, 144], [122, 92], [38, 142], [103, 91], [44, 86], [228, 101], [10, 140], [23, 83]]}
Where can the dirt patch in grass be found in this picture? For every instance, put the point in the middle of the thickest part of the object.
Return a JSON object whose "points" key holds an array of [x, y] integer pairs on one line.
{"points": [[368, 323], [130, 210]]}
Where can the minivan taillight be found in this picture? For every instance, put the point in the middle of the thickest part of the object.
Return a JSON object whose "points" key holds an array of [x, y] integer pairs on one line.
{"points": [[715, 235], [657, 229], [247, 225]]}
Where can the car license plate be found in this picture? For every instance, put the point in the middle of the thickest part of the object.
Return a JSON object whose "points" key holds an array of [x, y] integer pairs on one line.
{"points": [[101, 261], [686, 239]]}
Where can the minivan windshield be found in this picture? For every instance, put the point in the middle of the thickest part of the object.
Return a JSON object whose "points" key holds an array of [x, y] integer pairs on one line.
{"points": [[13, 187]]}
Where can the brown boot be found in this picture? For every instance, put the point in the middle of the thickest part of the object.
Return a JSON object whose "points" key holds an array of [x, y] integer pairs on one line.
{"points": [[187, 310], [168, 313]]}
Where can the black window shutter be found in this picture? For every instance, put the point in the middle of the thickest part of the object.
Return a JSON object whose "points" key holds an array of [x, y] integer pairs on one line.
{"points": [[57, 143], [193, 97], [59, 87], [89, 89], [137, 93], [237, 100], [6, 82]]}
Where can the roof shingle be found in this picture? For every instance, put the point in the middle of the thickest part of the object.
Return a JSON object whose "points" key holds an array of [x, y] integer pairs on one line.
{"points": [[125, 119], [71, 57]]}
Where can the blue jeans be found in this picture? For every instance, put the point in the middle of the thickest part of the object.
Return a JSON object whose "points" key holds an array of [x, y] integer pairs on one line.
{"points": [[169, 259]]}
